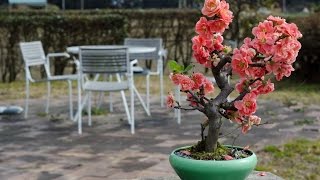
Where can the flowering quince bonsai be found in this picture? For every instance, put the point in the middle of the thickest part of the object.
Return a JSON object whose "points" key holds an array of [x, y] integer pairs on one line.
{"points": [[272, 51]]}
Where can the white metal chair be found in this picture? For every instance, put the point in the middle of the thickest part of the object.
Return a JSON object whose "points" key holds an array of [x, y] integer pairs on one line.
{"points": [[100, 61], [159, 55], [33, 55]]}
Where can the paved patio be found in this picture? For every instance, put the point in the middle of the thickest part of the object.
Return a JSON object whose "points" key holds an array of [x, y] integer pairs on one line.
{"points": [[48, 147]]}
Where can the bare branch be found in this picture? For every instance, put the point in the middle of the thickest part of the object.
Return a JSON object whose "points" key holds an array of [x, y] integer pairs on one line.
{"points": [[186, 109], [195, 97], [230, 132]]}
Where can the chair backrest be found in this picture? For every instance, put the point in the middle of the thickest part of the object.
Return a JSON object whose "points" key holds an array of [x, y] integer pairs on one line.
{"points": [[32, 53], [99, 59], [145, 42]]}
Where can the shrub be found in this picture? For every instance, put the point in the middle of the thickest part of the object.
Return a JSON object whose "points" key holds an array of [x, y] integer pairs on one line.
{"points": [[308, 64], [56, 31]]}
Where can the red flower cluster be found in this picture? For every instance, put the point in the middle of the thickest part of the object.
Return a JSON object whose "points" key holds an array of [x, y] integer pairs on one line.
{"points": [[209, 32], [195, 83], [273, 50]]}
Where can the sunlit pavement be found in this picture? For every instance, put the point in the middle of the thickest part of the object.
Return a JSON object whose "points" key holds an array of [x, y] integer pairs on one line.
{"points": [[48, 147]]}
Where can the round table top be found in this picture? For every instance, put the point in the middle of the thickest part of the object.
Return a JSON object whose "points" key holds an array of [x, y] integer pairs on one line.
{"points": [[131, 49]]}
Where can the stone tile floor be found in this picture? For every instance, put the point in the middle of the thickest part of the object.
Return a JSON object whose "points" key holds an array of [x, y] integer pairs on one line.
{"points": [[48, 147]]}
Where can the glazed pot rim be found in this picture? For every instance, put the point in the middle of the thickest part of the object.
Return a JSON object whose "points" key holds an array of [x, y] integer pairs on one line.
{"points": [[232, 160]]}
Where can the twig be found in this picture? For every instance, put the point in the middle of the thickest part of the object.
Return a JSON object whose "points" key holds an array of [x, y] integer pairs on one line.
{"points": [[186, 109], [230, 132]]}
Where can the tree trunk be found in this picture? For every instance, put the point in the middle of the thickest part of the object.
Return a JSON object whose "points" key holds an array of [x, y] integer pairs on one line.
{"points": [[213, 132]]}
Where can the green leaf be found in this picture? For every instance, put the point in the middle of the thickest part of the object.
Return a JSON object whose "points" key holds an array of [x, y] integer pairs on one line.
{"points": [[175, 67], [188, 68]]}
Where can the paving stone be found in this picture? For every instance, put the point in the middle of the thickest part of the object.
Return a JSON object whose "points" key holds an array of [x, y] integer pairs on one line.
{"points": [[253, 176], [39, 148]]}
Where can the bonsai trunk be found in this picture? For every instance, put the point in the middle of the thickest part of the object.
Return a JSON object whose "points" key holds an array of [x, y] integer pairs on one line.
{"points": [[213, 133]]}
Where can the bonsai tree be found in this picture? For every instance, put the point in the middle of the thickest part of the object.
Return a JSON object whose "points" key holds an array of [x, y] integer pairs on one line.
{"points": [[270, 52]]}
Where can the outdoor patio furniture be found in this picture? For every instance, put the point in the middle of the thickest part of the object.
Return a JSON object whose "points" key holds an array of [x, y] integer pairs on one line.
{"points": [[133, 51], [159, 55], [99, 60], [33, 55], [10, 110]]}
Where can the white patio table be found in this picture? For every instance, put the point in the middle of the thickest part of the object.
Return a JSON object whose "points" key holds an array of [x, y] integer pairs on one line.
{"points": [[132, 50]]}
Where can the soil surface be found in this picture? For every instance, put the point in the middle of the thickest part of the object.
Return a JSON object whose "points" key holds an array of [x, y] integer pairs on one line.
{"points": [[49, 147]]}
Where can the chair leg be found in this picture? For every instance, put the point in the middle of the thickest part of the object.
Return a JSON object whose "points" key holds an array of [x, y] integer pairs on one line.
{"points": [[132, 110], [48, 96], [79, 109], [126, 106], [110, 97], [148, 93], [110, 103], [178, 111], [89, 109], [70, 99], [161, 86], [27, 99]]}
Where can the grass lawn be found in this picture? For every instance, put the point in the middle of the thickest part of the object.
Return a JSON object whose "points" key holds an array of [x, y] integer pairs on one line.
{"points": [[288, 92], [298, 159]]}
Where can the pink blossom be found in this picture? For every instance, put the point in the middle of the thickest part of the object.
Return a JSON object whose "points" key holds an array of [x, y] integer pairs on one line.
{"points": [[247, 147], [203, 27], [200, 52], [254, 120], [186, 152], [175, 78], [247, 105], [279, 69], [186, 83], [265, 27], [227, 157], [225, 14], [208, 86], [241, 59], [215, 43], [211, 7], [284, 70], [218, 26], [262, 174], [241, 85], [276, 20], [290, 30], [170, 100], [256, 72], [198, 79], [265, 87], [245, 128], [286, 50]]}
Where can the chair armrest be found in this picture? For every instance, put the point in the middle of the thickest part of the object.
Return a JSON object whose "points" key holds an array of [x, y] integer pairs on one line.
{"points": [[163, 52], [64, 54], [77, 62], [133, 62]]}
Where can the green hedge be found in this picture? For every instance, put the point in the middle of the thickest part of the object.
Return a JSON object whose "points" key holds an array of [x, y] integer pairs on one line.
{"points": [[308, 62], [56, 31]]}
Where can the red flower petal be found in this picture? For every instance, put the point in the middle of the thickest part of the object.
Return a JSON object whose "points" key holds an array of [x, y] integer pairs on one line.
{"points": [[227, 157]]}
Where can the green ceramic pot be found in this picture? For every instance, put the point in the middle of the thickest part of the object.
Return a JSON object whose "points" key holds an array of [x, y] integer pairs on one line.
{"points": [[190, 169]]}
